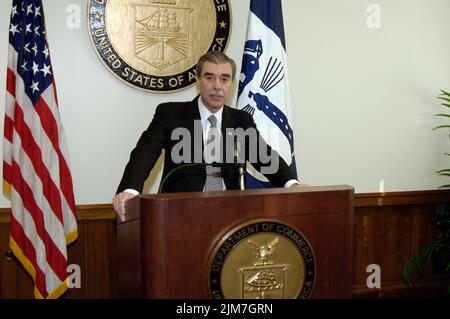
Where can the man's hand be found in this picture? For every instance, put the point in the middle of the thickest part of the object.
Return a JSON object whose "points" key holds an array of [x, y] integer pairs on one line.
{"points": [[119, 204]]}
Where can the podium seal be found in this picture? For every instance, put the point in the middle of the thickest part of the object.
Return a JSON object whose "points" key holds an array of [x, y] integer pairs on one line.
{"points": [[154, 45], [262, 259]]}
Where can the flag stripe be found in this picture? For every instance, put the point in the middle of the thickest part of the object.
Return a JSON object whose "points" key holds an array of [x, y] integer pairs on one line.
{"points": [[53, 254], [9, 129], [50, 126], [7, 172], [10, 82], [28, 174], [39, 263], [34, 152], [18, 235]]}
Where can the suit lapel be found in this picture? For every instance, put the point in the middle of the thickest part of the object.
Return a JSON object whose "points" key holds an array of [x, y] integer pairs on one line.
{"points": [[192, 122], [191, 114]]}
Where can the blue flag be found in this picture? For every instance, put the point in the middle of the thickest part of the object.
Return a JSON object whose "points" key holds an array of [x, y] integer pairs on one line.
{"points": [[263, 88]]}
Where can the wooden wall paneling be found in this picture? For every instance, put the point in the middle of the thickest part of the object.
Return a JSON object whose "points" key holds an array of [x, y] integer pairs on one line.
{"points": [[99, 261], [8, 267], [387, 240], [76, 255], [16, 283], [389, 236], [405, 234], [93, 251], [363, 242], [25, 283], [390, 228], [357, 266], [424, 232]]}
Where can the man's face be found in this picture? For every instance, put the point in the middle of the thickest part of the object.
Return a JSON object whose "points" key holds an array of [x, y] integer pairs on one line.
{"points": [[214, 84]]}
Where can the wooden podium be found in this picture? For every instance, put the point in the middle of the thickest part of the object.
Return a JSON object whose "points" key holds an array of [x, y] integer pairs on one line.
{"points": [[165, 245]]}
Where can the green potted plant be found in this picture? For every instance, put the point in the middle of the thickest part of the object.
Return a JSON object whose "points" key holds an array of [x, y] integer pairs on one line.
{"points": [[438, 251]]}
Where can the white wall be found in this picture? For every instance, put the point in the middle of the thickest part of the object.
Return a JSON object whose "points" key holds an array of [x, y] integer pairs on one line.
{"points": [[363, 99]]}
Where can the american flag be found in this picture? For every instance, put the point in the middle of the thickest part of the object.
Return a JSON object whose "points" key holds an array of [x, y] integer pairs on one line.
{"points": [[36, 175]]}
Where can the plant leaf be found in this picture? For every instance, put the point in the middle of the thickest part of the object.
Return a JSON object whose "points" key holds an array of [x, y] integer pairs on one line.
{"points": [[443, 170], [444, 174], [445, 258], [443, 114], [410, 271], [444, 186], [444, 98], [442, 126], [444, 93], [447, 233]]}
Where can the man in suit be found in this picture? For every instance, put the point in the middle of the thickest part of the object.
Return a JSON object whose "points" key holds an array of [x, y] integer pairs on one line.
{"points": [[183, 131]]}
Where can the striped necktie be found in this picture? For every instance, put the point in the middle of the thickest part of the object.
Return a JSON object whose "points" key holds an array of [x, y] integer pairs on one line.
{"points": [[212, 149]]}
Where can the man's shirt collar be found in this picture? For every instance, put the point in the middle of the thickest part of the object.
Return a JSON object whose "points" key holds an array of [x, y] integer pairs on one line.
{"points": [[205, 113]]}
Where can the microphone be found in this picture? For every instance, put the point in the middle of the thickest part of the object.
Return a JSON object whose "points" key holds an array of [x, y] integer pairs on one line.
{"points": [[241, 167]]}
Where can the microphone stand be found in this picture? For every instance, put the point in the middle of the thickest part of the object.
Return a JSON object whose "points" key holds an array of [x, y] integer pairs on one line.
{"points": [[240, 165], [175, 170], [241, 177], [213, 164]]}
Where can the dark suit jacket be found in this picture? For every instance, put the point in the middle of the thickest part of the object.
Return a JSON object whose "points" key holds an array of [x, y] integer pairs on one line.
{"points": [[158, 136]]}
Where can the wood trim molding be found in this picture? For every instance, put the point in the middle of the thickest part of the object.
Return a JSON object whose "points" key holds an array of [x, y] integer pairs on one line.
{"points": [[402, 198], [84, 212], [106, 211], [95, 211]]}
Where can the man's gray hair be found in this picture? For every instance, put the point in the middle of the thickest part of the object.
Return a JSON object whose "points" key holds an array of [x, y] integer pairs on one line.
{"points": [[215, 57]]}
